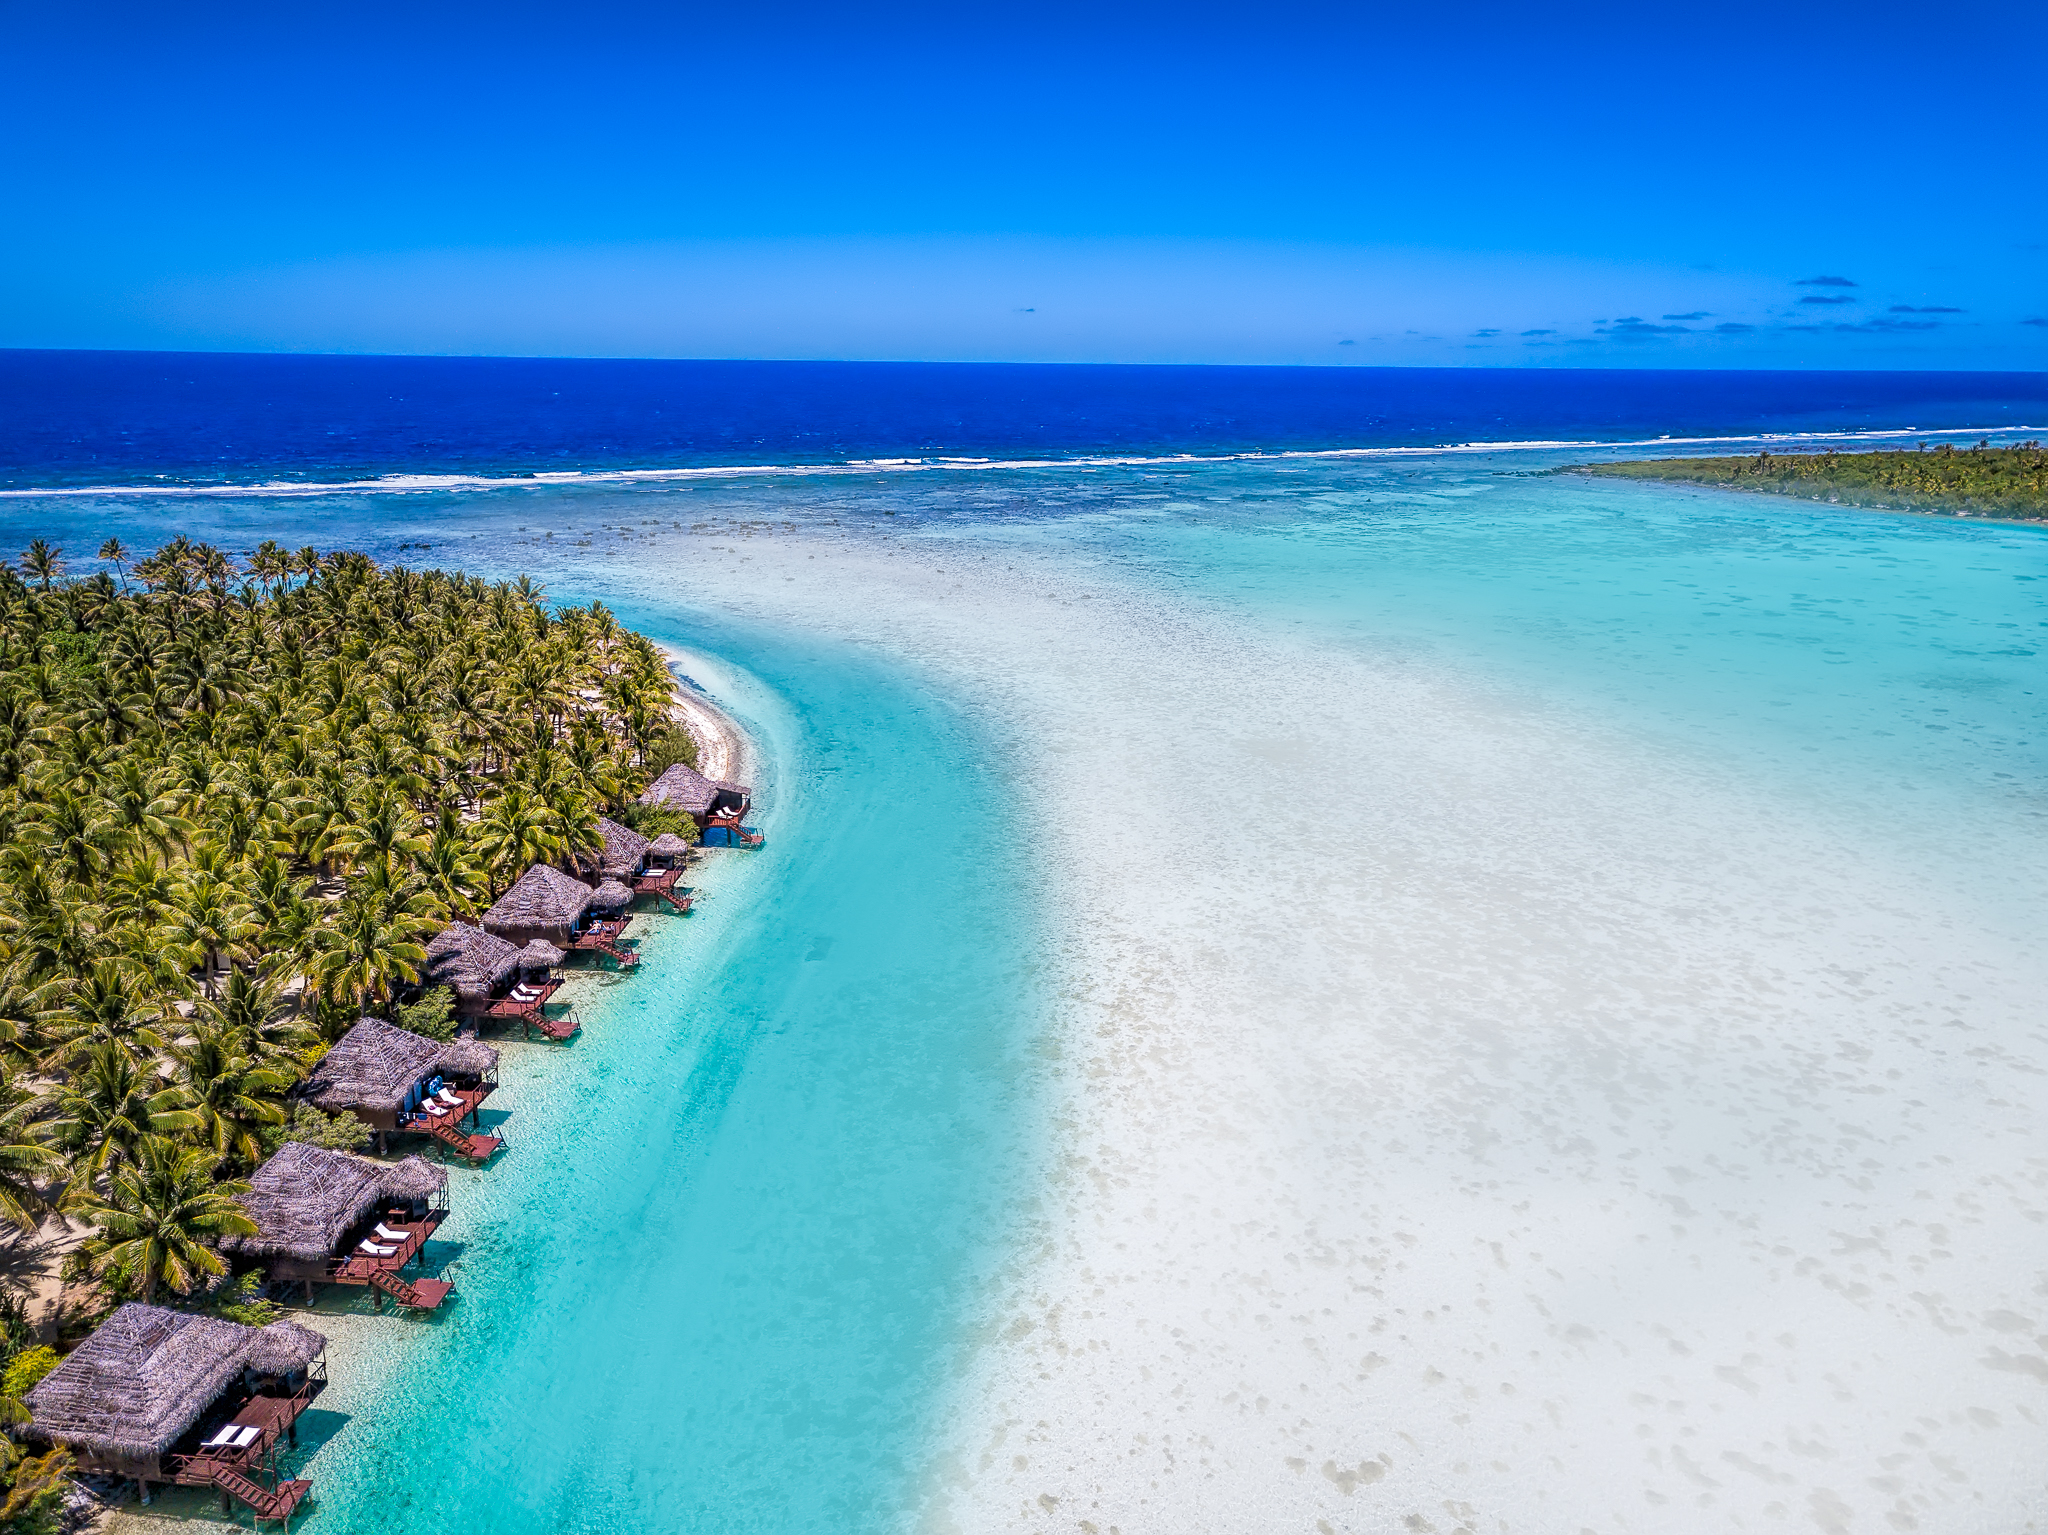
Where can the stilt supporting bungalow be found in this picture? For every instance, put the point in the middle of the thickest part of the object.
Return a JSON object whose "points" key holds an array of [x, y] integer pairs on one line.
{"points": [[719, 808], [324, 1217], [172, 1397], [396, 1081]]}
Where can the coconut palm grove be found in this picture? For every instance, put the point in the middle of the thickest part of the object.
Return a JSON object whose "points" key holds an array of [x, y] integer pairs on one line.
{"points": [[235, 802]]}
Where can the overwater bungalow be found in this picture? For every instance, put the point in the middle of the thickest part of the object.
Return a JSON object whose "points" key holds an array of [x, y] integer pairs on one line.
{"points": [[495, 980], [627, 858], [547, 904], [716, 806], [394, 1080], [172, 1397], [324, 1217]]}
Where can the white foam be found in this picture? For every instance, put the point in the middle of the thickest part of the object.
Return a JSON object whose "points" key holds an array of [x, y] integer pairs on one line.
{"points": [[413, 484]]}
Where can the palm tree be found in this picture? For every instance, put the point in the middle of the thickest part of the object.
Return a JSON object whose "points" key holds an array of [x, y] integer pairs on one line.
{"points": [[43, 562], [105, 1006], [516, 832], [367, 951], [385, 826], [138, 802], [252, 1019], [209, 922], [48, 931], [108, 1108], [81, 842], [228, 1093], [115, 553], [270, 564], [159, 1216], [450, 872], [25, 1157]]}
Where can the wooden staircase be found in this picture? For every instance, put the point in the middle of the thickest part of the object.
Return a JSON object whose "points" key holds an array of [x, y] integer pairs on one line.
{"points": [[266, 1503], [626, 957], [600, 944], [552, 1028], [478, 1148], [424, 1296]]}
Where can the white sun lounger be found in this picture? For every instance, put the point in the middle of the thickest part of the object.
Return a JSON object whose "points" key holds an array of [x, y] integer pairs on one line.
{"points": [[224, 1438], [389, 1235], [371, 1249]]}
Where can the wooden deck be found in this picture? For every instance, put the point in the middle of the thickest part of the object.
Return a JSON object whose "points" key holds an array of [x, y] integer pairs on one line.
{"points": [[447, 1129], [382, 1274], [661, 884], [531, 1014], [602, 937], [512, 1007], [238, 1473]]}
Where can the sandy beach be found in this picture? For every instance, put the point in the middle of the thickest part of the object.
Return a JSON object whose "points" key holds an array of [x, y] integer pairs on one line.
{"points": [[722, 751]]}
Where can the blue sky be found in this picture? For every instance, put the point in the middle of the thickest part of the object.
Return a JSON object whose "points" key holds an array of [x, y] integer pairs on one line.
{"points": [[1759, 186]]}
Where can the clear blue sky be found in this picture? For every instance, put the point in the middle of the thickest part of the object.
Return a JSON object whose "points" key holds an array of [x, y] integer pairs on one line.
{"points": [[1740, 185]]}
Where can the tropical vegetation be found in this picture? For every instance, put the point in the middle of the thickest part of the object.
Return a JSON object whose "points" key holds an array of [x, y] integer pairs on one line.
{"points": [[237, 799], [1982, 480]]}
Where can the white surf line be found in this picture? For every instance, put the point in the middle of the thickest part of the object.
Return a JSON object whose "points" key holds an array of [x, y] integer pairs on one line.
{"points": [[414, 484]]}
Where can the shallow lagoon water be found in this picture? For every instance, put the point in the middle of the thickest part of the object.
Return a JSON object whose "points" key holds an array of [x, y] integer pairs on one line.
{"points": [[1438, 999]]}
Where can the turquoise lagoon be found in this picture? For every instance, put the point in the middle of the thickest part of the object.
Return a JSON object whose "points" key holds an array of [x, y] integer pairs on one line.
{"points": [[770, 1231]]}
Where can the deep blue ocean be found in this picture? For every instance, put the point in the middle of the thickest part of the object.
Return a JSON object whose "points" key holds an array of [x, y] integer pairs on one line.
{"points": [[118, 418]]}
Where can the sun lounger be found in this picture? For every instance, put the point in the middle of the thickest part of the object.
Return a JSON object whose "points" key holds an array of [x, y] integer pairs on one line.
{"points": [[245, 1437], [224, 1438], [435, 1109], [453, 1100], [370, 1249], [389, 1235]]}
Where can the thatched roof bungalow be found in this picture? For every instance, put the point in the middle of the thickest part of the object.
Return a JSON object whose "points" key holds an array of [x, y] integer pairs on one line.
{"points": [[682, 787], [611, 896], [477, 966], [309, 1206], [623, 855], [380, 1072], [667, 850], [543, 903], [144, 1381]]}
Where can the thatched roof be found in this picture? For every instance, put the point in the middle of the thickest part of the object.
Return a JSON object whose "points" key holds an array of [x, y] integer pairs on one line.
{"points": [[283, 1347], [685, 788], [468, 959], [668, 845], [624, 849], [539, 952], [304, 1199], [148, 1374], [375, 1064], [611, 896], [414, 1178], [543, 897]]}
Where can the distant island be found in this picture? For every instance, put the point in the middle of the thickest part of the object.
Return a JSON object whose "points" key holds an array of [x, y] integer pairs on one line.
{"points": [[1982, 481]]}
